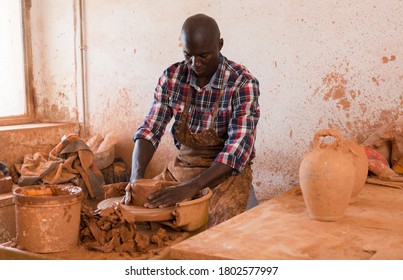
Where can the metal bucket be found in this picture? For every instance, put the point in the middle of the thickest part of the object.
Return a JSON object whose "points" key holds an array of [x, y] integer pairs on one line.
{"points": [[47, 217]]}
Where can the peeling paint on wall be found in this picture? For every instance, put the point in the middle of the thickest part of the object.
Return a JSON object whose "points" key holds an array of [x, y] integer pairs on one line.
{"points": [[320, 64], [387, 59], [334, 87]]}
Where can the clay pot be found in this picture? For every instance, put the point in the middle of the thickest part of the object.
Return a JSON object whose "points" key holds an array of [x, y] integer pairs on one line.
{"points": [[144, 187], [360, 162], [193, 214], [327, 177]]}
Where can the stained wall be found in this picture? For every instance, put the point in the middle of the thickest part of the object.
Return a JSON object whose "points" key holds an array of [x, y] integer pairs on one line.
{"points": [[321, 64]]}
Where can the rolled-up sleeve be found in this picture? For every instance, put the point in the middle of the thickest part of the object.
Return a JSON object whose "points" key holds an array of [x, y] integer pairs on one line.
{"points": [[239, 147], [153, 127]]}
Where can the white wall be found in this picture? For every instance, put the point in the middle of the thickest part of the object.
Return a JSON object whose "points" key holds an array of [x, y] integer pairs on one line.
{"points": [[54, 57], [320, 64]]}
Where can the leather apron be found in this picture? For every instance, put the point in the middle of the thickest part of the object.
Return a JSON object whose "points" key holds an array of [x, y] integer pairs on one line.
{"points": [[197, 153]]}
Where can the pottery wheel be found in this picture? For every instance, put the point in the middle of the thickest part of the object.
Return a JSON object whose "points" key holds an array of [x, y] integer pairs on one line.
{"points": [[142, 214]]}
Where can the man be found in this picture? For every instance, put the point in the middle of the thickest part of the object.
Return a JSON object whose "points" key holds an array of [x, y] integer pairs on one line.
{"points": [[214, 103]]}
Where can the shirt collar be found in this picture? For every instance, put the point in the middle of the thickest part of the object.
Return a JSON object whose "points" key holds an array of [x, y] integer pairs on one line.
{"points": [[218, 80]]}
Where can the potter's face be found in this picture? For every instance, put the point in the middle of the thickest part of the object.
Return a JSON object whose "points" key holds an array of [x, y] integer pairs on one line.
{"points": [[202, 53]]}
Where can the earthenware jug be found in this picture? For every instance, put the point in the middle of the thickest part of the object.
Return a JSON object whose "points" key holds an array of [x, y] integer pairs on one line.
{"points": [[327, 176], [360, 162]]}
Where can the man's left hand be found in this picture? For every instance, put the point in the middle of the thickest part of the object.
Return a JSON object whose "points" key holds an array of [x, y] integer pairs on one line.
{"points": [[170, 196]]}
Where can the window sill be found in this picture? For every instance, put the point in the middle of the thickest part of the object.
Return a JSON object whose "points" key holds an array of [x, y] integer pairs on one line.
{"points": [[33, 126]]}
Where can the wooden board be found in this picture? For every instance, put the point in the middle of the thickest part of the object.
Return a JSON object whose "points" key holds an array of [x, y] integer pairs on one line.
{"points": [[281, 229]]}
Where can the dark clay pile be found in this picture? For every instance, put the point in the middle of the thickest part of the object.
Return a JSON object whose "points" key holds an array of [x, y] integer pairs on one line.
{"points": [[114, 230]]}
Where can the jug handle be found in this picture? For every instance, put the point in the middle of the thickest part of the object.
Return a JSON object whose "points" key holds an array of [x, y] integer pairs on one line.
{"points": [[327, 132]]}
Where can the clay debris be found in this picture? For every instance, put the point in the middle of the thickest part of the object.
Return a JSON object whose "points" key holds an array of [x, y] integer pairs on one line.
{"points": [[114, 190], [114, 229]]}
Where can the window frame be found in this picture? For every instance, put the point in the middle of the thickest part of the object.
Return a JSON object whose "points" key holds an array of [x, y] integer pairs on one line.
{"points": [[29, 116]]}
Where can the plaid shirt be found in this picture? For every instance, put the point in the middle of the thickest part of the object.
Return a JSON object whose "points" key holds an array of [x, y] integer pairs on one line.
{"points": [[238, 110]]}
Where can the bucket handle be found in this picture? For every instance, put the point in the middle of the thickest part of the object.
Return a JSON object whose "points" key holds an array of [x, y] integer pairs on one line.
{"points": [[328, 132]]}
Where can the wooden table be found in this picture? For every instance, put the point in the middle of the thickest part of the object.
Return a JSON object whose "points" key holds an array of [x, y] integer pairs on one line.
{"points": [[80, 252], [281, 229]]}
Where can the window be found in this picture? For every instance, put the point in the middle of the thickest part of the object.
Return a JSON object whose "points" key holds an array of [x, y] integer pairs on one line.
{"points": [[16, 105]]}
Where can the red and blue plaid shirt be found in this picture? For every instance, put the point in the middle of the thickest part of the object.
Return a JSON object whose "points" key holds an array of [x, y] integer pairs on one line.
{"points": [[238, 109]]}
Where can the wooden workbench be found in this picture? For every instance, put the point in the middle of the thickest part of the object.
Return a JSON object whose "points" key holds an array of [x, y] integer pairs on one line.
{"points": [[281, 229], [80, 252]]}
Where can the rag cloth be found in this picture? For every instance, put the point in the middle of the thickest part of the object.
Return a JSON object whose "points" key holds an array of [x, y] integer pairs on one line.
{"points": [[71, 158], [388, 141]]}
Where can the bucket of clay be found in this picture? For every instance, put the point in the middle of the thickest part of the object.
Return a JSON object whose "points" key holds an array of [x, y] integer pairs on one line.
{"points": [[47, 217]]}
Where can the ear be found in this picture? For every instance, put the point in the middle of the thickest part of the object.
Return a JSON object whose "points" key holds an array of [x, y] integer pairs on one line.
{"points": [[220, 44]]}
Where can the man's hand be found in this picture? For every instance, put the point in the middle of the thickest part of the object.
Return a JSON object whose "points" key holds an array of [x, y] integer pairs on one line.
{"points": [[170, 196], [142, 153], [128, 196]]}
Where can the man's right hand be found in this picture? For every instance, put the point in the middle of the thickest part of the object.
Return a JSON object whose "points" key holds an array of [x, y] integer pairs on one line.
{"points": [[128, 196], [142, 153]]}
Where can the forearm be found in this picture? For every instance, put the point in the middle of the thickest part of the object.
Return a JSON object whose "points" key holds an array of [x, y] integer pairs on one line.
{"points": [[142, 154], [211, 177]]}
